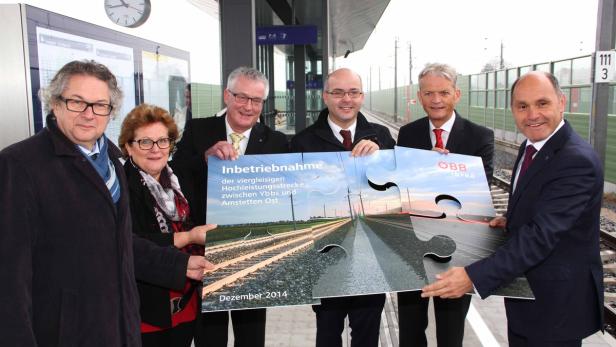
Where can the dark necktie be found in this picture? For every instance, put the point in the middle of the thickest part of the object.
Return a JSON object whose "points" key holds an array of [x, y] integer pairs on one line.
{"points": [[346, 139], [439, 138], [94, 156], [528, 158]]}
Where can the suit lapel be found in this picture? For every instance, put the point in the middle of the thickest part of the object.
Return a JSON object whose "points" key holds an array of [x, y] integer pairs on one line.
{"points": [[456, 136], [256, 140], [540, 162], [217, 133], [426, 141]]}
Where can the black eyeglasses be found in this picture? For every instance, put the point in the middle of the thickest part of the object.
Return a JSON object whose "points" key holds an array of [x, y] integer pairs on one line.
{"points": [[146, 144], [339, 93], [243, 99], [98, 108]]}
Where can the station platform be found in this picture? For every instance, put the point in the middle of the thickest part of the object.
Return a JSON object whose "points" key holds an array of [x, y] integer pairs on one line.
{"points": [[485, 326]]}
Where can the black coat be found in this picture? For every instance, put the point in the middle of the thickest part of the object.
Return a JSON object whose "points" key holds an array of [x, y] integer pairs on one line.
{"points": [[319, 136], [68, 272], [154, 300], [466, 138], [189, 160]]}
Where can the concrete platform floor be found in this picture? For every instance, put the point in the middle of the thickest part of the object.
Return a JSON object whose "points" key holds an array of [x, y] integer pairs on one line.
{"points": [[485, 326]]}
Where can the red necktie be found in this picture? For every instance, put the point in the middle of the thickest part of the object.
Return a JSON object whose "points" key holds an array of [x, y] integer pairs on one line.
{"points": [[439, 138], [528, 158], [346, 139]]}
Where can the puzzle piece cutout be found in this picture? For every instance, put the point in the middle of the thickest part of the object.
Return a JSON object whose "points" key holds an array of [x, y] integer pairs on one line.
{"points": [[426, 178], [378, 255], [447, 195]]}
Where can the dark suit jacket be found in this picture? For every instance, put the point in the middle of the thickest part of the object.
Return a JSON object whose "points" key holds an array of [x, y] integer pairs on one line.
{"points": [[319, 136], [189, 161], [67, 274], [553, 239], [466, 138]]}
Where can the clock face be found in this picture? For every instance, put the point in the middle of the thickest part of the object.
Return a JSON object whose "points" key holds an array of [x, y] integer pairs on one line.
{"points": [[128, 13]]}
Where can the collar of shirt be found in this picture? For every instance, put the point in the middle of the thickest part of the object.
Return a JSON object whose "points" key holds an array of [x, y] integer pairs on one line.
{"points": [[244, 142], [95, 149], [446, 130], [538, 145], [336, 129]]}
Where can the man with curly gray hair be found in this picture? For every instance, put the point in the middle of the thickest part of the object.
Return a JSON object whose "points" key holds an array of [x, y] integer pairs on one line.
{"points": [[66, 245]]}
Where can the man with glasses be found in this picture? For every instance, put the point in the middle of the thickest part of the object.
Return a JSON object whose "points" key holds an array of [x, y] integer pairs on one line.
{"points": [[341, 127], [69, 259], [234, 133]]}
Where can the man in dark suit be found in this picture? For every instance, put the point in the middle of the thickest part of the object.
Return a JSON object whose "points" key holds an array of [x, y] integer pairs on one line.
{"points": [[552, 225], [342, 127], [234, 133], [69, 258], [445, 131]]}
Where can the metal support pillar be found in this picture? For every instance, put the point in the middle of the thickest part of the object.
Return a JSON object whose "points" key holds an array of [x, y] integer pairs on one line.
{"points": [[606, 34], [299, 54], [237, 35]]}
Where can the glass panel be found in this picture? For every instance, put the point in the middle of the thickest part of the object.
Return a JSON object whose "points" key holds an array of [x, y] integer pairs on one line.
{"points": [[473, 82], [581, 71], [481, 99], [490, 80], [525, 69], [580, 99], [481, 81], [491, 99], [567, 93], [562, 71], [512, 75], [500, 99], [543, 67], [500, 79]]}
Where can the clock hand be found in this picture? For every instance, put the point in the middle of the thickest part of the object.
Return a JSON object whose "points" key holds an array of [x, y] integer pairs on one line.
{"points": [[134, 8], [114, 6], [124, 3]]}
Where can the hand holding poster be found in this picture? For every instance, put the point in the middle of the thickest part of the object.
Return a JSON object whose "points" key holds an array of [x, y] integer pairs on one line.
{"points": [[297, 227]]}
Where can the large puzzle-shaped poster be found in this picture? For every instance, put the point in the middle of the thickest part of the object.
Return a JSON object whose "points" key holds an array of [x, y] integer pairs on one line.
{"points": [[294, 228]]}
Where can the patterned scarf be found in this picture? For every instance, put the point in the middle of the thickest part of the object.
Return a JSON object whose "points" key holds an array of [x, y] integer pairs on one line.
{"points": [[105, 168], [171, 208]]}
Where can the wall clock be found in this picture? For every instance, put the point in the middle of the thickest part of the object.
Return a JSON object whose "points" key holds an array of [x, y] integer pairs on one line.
{"points": [[128, 13]]}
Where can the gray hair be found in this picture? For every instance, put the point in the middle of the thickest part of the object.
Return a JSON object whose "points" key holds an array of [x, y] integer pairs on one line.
{"points": [[52, 93], [553, 81], [248, 73], [441, 70]]}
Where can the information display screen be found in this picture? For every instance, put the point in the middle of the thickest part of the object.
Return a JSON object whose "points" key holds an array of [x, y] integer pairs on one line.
{"points": [[56, 48]]}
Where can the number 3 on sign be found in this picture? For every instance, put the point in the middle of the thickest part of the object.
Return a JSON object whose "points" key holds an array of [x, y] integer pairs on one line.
{"points": [[605, 66]]}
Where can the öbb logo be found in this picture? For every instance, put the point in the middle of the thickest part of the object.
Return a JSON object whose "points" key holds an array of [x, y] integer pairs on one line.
{"points": [[451, 166]]}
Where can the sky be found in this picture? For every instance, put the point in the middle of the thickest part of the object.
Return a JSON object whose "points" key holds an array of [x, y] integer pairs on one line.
{"points": [[467, 34]]}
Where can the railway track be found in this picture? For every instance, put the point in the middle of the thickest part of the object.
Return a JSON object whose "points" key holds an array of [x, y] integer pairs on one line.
{"points": [[250, 256]]}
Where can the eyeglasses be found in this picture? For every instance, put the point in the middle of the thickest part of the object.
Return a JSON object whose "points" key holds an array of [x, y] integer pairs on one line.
{"points": [[98, 108], [243, 99], [339, 93], [147, 144]]}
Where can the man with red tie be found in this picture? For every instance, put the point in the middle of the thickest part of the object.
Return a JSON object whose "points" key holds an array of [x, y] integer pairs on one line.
{"points": [[552, 226], [444, 130], [342, 127]]}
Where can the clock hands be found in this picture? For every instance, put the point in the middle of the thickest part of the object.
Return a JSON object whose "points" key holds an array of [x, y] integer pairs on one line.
{"points": [[124, 4]]}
